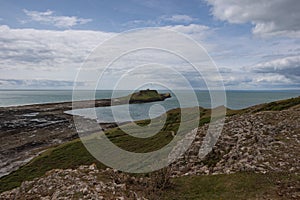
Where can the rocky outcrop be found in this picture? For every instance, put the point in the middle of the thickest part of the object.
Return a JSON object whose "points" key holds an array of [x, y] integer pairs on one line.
{"points": [[85, 182], [144, 96], [261, 142]]}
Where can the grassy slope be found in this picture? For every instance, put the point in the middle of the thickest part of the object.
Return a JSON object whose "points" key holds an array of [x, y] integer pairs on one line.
{"points": [[229, 186], [73, 154], [279, 105]]}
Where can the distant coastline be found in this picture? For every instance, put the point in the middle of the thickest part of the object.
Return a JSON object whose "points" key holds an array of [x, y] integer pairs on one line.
{"points": [[29, 97]]}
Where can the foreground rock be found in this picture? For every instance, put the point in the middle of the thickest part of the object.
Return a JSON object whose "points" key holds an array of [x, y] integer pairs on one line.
{"points": [[267, 141], [85, 182]]}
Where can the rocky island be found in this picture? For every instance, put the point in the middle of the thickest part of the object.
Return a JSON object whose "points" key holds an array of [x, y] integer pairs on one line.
{"points": [[148, 95]]}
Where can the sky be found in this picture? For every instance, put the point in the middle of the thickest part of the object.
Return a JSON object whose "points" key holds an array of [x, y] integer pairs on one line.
{"points": [[254, 43]]}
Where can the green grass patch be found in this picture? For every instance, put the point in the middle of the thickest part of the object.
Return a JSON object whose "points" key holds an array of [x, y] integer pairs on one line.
{"points": [[68, 155], [279, 105], [227, 186]]}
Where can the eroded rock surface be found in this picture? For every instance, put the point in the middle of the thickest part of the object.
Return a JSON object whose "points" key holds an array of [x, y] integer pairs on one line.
{"points": [[85, 182], [267, 141]]}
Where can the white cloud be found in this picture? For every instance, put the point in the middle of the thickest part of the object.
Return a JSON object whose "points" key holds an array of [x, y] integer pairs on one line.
{"points": [[27, 55], [190, 29], [235, 79], [163, 20], [36, 83], [30, 54], [48, 17], [242, 80], [276, 73], [47, 54], [272, 79], [178, 19], [281, 73], [275, 17], [144, 23], [288, 66], [252, 80]]}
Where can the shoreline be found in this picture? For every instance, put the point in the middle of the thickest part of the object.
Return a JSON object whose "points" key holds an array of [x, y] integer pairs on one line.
{"points": [[26, 130]]}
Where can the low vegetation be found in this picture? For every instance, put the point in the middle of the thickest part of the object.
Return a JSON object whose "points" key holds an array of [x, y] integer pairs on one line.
{"points": [[241, 185], [73, 154], [145, 96], [279, 105]]}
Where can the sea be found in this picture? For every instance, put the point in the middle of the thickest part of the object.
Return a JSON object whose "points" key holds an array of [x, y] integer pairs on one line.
{"points": [[235, 99]]}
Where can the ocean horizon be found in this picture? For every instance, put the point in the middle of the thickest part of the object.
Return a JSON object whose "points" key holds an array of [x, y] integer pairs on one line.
{"points": [[235, 99]]}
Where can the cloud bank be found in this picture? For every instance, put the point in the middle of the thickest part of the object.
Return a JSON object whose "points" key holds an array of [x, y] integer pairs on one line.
{"points": [[186, 19], [48, 17], [34, 83], [44, 58], [269, 18], [281, 70], [34, 58]]}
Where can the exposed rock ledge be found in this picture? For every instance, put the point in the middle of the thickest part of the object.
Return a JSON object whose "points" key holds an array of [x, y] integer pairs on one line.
{"points": [[262, 142], [85, 182]]}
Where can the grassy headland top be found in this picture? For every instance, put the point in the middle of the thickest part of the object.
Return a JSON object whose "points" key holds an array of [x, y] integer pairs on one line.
{"points": [[144, 96]]}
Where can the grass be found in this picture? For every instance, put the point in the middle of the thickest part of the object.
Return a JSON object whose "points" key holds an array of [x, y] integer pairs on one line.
{"points": [[68, 155], [279, 105], [241, 185], [72, 154]]}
